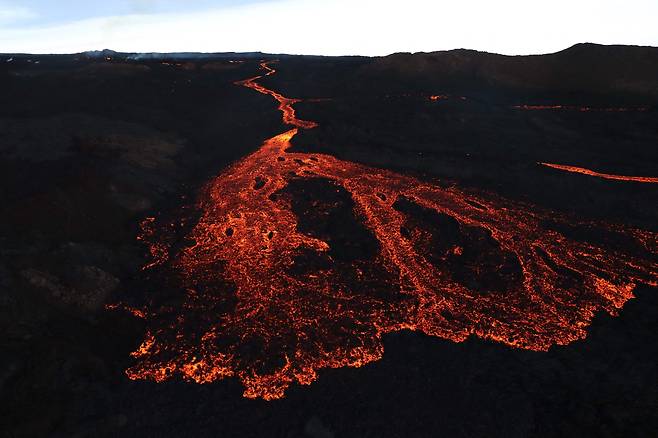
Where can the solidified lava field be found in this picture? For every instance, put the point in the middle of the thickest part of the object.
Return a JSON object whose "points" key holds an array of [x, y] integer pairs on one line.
{"points": [[454, 244], [268, 298]]}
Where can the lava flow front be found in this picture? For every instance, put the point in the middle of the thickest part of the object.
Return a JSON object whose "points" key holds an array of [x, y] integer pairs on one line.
{"points": [[301, 261]]}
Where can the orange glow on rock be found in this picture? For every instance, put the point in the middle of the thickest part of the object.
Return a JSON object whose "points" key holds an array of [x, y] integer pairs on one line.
{"points": [[584, 171], [268, 301]]}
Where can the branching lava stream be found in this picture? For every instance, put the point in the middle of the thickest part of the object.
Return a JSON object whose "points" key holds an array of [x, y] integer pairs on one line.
{"points": [[266, 299]]}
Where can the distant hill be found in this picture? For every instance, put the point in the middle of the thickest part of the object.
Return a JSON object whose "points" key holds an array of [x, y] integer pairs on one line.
{"points": [[629, 71], [187, 56]]}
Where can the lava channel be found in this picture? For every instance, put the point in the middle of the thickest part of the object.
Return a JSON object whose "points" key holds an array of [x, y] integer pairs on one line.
{"points": [[269, 291]]}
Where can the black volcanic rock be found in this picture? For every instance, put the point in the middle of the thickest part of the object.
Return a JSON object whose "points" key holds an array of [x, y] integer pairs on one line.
{"points": [[89, 148]]}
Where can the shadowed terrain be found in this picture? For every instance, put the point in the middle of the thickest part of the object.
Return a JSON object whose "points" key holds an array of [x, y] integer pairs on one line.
{"points": [[97, 152]]}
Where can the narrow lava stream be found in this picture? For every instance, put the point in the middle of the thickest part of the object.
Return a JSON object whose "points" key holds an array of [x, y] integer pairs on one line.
{"points": [[496, 269], [589, 172]]}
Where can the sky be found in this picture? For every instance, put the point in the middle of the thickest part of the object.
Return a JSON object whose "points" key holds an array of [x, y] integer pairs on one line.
{"points": [[322, 27]]}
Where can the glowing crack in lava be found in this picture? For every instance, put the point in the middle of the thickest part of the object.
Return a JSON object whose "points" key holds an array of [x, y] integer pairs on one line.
{"points": [[584, 171], [266, 294]]}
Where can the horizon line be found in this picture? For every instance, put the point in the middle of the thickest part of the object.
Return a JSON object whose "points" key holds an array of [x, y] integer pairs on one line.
{"points": [[215, 53]]}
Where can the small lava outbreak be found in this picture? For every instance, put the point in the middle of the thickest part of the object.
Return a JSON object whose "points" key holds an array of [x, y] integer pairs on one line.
{"points": [[300, 261], [582, 109], [584, 171]]}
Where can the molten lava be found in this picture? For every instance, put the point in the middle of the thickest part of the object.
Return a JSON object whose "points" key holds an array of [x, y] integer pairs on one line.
{"points": [[584, 171], [268, 297], [583, 109]]}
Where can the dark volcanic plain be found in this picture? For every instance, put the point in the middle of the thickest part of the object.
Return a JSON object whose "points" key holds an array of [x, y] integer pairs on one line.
{"points": [[91, 145]]}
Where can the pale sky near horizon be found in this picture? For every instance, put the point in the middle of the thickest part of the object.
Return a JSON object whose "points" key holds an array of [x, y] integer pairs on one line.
{"points": [[322, 27]]}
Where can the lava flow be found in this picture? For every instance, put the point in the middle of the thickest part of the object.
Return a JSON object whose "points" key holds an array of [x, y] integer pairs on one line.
{"points": [[582, 109], [588, 172], [271, 288]]}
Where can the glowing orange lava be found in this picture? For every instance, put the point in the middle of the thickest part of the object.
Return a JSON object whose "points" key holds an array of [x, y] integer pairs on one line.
{"points": [[584, 171], [583, 109], [269, 302]]}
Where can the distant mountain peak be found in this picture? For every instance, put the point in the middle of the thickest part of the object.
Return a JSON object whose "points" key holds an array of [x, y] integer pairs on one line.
{"points": [[101, 53]]}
